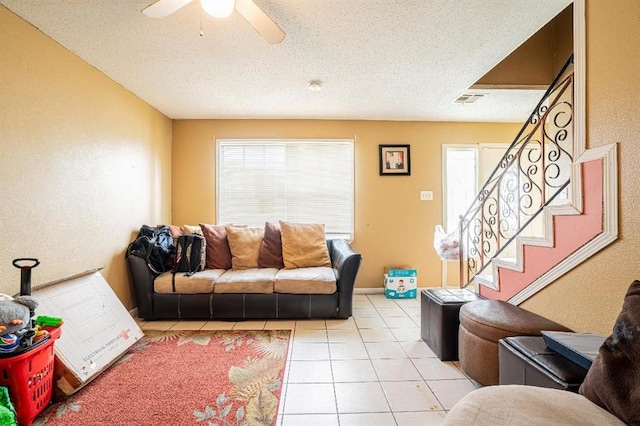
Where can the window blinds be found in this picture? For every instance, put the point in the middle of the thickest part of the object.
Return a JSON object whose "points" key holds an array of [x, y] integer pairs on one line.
{"points": [[308, 181]]}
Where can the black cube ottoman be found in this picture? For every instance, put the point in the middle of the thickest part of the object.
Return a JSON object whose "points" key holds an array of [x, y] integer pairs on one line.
{"points": [[439, 319], [526, 360]]}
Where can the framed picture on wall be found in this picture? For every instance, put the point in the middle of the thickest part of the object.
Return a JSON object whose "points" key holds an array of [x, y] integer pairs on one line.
{"points": [[395, 160]]}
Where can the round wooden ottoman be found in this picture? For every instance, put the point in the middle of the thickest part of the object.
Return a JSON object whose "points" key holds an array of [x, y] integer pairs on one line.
{"points": [[482, 324]]}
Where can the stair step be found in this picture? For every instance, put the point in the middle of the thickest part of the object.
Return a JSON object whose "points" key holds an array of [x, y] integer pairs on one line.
{"points": [[485, 280]]}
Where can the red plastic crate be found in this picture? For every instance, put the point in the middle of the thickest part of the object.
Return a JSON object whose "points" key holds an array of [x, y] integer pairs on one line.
{"points": [[29, 377]]}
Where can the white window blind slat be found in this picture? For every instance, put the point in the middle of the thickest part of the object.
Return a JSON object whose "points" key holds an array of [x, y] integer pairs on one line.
{"points": [[309, 181]]}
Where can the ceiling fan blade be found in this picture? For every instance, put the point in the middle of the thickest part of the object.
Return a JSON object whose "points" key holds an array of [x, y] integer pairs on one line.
{"points": [[163, 8], [260, 21]]}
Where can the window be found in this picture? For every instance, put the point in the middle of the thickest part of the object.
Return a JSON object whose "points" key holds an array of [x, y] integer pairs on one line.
{"points": [[309, 181], [461, 182]]}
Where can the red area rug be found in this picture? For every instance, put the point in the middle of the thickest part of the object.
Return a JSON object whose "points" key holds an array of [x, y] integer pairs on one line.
{"points": [[184, 378]]}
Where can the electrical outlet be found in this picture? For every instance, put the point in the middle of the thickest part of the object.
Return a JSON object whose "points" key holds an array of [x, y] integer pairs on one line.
{"points": [[426, 195]]}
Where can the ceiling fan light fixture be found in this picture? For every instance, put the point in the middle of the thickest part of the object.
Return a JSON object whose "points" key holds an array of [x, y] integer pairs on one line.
{"points": [[218, 8]]}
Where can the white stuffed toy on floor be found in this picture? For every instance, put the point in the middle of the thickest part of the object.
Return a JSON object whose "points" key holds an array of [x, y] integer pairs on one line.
{"points": [[15, 319]]}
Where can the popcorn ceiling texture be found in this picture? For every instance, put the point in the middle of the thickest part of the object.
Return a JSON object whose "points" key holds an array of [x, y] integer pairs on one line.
{"points": [[377, 59]]}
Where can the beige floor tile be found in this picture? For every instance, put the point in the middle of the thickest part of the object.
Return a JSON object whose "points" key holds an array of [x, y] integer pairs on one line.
{"points": [[381, 350], [449, 392], [412, 311], [410, 396], [310, 420], [377, 335], [434, 369], [280, 325], [348, 350], [361, 398], [159, 325], [418, 349], [399, 322], [422, 418], [365, 313], [308, 335], [361, 301], [341, 324], [345, 336], [303, 351], [283, 394], [367, 419], [310, 372], [188, 325], [312, 398], [374, 322], [249, 325], [406, 334], [311, 324], [391, 311], [360, 370], [218, 325], [381, 300], [395, 370]]}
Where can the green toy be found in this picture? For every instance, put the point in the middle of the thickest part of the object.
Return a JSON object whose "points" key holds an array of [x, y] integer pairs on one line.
{"points": [[46, 321], [7, 411]]}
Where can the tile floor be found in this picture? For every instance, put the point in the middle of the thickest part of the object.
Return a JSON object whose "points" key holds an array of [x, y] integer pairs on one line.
{"points": [[372, 369]]}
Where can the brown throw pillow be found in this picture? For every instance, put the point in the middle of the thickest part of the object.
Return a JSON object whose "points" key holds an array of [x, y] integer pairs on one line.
{"points": [[245, 246], [613, 381], [218, 252], [271, 248], [304, 245]]}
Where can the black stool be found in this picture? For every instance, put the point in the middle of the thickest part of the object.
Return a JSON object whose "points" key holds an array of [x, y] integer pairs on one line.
{"points": [[439, 319]]}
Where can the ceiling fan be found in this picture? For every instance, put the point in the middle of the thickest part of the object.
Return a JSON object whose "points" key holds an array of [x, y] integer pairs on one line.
{"points": [[221, 9]]}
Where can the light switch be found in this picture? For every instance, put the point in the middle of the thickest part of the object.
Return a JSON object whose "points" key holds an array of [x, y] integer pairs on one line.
{"points": [[426, 195]]}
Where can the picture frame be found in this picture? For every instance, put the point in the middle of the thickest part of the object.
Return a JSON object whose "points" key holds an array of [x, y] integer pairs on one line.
{"points": [[395, 160]]}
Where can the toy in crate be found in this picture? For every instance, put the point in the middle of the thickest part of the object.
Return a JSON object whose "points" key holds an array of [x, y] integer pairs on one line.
{"points": [[401, 284], [26, 352]]}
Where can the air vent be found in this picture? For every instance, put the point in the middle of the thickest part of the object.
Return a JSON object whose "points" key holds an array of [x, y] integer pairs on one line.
{"points": [[468, 98]]}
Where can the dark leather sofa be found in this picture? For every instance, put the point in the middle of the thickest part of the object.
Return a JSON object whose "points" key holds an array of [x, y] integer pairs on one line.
{"points": [[239, 306]]}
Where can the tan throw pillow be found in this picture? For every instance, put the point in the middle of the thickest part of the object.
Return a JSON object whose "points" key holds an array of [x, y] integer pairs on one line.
{"points": [[304, 245], [245, 246], [613, 380], [271, 248], [191, 229]]}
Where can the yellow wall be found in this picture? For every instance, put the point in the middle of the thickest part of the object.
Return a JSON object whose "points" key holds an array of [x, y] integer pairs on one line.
{"points": [[392, 226], [589, 298], [83, 162]]}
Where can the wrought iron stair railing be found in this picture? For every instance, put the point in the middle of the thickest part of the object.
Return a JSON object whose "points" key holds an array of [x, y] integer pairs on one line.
{"points": [[533, 173]]}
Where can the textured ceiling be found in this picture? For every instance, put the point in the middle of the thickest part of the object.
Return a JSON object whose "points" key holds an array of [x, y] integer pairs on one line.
{"points": [[377, 59]]}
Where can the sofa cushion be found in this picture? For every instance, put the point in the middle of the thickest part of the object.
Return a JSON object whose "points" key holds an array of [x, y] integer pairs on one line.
{"points": [[526, 405], [244, 244], [613, 381], [200, 282], [246, 281], [271, 248], [218, 252], [316, 280], [304, 245]]}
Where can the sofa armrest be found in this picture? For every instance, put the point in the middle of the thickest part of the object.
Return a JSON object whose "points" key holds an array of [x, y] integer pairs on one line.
{"points": [[143, 285], [346, 262]]}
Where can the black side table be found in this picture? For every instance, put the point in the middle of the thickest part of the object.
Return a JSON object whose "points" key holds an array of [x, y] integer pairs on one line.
{"points": [[439, 309], [526, 360]]}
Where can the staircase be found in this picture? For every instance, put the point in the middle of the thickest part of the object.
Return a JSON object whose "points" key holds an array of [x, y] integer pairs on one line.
{"points": [[542, 211]]}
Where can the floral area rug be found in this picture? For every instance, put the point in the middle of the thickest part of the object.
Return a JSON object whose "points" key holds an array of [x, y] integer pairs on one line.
{"points": [[184, 378]]}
